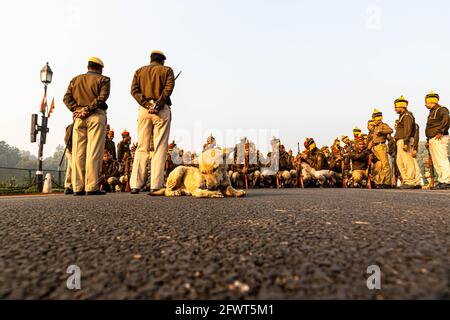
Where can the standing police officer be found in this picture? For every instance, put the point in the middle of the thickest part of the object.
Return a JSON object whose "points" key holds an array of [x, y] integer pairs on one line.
{"points": [[86, 98], [437, 138], [378, 146], [405, 128], [152, 87]]}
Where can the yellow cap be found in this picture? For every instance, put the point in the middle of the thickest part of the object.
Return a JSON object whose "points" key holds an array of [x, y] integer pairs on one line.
{"points": [[401, 102], [356, 132], [97, 61], [159, 52], [432, 97], [377, 115]]}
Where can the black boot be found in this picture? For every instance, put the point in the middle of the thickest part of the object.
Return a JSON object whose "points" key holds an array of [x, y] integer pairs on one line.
{"points": [[96, 193]]}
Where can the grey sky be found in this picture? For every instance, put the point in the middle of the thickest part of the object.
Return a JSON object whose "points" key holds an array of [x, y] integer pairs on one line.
{"points": [[299, 68]]}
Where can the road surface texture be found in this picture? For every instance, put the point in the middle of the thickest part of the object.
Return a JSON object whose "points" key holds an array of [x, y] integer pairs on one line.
{"points": [[274, 244]]}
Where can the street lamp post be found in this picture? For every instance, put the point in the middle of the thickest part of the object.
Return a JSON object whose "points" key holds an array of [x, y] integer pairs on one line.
{"points": [[46, 79]]}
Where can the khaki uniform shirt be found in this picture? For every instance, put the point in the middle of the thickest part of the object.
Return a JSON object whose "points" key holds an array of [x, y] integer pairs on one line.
{"points": [[153, 82], [380, 133], [88, 90]]}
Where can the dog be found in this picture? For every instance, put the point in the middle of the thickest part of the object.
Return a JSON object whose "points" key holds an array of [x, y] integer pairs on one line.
{"points": [[209, 180]]}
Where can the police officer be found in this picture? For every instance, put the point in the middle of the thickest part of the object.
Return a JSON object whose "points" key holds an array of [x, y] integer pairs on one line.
{"points": [[152, 87], [86, 98], [438, 138], [378, 146], [405, 132]]}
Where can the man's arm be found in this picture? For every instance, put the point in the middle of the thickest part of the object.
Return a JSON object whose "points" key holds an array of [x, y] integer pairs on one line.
{"points": [[445, 118], [105, 88], [115, 171], [408, 127], [136, 91], [386, 129], [69, 100], [168, 89]]}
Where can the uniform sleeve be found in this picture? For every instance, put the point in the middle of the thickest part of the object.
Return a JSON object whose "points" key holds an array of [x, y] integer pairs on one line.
{"points": [[69, 100], [408, 127], [115, 172], [136, 91], [443, 115], [168, 89], [416, 144], [386, 129]]}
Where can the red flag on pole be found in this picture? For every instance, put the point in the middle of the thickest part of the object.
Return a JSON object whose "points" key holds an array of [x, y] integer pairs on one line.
{"points": [[52, 107], [44, 103]]}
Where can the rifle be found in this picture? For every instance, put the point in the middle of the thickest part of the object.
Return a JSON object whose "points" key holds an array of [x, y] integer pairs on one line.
{"points": [[127, 186], [178, 75], [344, 180], [431, 169], [246, 153], [369, 175], [300, 169], [69, 142], [127, 172]]}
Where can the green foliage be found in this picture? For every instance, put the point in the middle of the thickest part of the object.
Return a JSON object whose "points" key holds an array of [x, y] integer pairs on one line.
{"points": [[9, 156], [12, 157]]}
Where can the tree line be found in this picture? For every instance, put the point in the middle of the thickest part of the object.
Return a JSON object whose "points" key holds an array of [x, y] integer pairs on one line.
{"points": [[13, 157]]}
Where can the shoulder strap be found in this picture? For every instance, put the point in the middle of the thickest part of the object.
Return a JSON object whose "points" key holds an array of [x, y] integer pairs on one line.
{"points": [[407, 113], [436, 111]]}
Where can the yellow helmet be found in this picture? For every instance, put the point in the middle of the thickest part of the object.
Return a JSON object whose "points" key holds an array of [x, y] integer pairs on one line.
{"points": [[159, 52], [432, 97], [377, 115], [401, 102], [97, 61]]}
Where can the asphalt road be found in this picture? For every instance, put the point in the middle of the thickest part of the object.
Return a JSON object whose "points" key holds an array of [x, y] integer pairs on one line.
{"points": [[274, 244]]}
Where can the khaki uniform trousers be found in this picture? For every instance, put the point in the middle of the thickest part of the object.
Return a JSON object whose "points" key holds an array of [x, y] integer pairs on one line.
{"points": [[359, 175], [383, 171], [439, 155], [87, 151], [408, 166], [68, 179], [156, 127]]}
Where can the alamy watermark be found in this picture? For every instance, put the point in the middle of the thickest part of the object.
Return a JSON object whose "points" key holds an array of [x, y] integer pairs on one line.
{"points": [[374, 18], [74, 281], [374, 280]]}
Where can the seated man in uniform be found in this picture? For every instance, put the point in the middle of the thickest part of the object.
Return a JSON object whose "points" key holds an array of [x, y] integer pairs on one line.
{"points": [[127, 170], [360, 163], [109, 177], [316, 160], [286, 174], [337, 162], [270, 165]]}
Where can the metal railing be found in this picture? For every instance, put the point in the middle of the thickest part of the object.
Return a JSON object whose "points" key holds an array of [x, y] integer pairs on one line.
{"points": [[21, 179]]}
